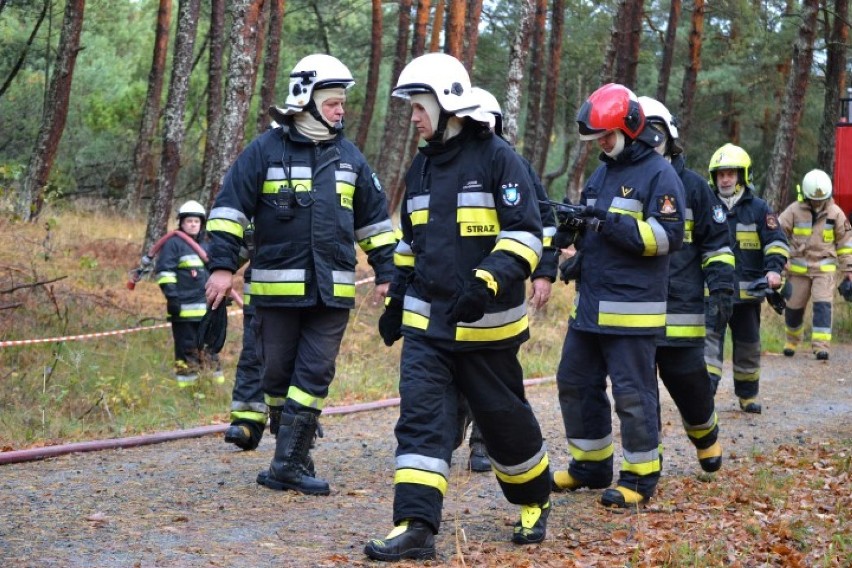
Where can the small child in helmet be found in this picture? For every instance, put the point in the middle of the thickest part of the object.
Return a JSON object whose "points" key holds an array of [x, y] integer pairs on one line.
{"points": [[820, 245], [182, 275]]}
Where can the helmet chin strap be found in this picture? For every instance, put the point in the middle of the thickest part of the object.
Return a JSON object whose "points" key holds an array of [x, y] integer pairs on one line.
{"points": [[311, 107]]}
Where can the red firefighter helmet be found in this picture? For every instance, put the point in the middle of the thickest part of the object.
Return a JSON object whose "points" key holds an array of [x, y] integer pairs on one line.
{"points": [[611, 107]]}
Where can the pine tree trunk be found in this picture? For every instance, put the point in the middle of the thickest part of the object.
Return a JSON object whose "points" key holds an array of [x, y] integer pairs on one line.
{"points": [[142, 173], [31, 200], [690, 74], [784, 149], [454, 43], [535, 82], [161, 203], [210, 170], [474, 14], [668, 51], [437, 27], [270, 63], [548, 107], [517, 63], [372, 75], [835, 81]]}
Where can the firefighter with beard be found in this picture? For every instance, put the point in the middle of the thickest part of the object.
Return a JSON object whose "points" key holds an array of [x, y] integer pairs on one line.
{"points": [[471, 236], [635, 205], [761, 251], [705, 259], [820, 245], [311, 196]]}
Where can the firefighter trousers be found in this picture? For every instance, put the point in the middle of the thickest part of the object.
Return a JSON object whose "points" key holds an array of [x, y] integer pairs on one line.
{"points": [[821, 287], [587, 359], [185, 335], [492, 382], [684, 374], [297, 349], [745, 337], [247, 404]]}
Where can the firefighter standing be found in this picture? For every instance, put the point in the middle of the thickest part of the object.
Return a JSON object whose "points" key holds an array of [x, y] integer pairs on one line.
{"points": [[635, 203], [706, 258], [471, 235], [760, 250], [182, 274], [820, 245], [311, 196]]}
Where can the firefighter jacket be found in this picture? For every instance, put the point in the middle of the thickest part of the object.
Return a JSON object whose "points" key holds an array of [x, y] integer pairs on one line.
{"points": [[549, 263], [706, 258], [469, 211], [625, 264], [819, 241], [310, 203], [758, 241], [182, 275]]}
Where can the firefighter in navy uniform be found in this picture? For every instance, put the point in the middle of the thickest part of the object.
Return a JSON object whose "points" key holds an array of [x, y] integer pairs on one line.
{"points": [[820, 244], [637, 201], [760, 249], [471, 235], [542, 278], [705, 259], [311, 196], [181, 274], [249, 411]]}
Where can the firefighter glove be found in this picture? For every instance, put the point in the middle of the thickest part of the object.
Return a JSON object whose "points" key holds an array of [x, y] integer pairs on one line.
{"points": [[390, 323], [590, 211], [564, 238], [845, 289], [213, 329], [570, 269], [720, 309], [470, 305], [173, 307]]}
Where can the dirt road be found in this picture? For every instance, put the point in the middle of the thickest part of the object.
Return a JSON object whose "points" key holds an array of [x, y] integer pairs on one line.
{"points": [[195, 503]]}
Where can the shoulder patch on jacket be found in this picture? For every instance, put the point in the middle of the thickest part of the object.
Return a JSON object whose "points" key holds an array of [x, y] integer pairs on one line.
{"points": [[376, 183], [719, 214], [771, 221], [666, 205], [511, 195]]}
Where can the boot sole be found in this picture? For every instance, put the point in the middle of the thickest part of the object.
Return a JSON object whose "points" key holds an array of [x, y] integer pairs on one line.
{"points": [[413, 554], [263, 479]]}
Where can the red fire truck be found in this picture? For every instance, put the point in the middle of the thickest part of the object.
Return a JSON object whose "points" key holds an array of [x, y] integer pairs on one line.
{"points": [[843, 157]]}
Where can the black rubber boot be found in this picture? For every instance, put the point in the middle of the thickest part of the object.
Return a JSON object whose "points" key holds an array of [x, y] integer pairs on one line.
{"points": [[409, 539], [479, 458], [274, 419], [244, 435], [532, 527], [289, 469]]}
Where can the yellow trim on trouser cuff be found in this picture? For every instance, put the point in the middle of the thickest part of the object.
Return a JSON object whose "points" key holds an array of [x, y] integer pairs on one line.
{"points": [[591, 455], [526, 476], [420, 477], [304, 398], [644, 468], [249, 415]]}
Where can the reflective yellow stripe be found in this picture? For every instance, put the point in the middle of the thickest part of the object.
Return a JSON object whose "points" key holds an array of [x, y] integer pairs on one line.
{"points": [[274, 400], [403, 259], [747, 377], [648, 238], [420, 477], [225, 226], [305, 399], [722, 258], [591, 455], [685, 331], [345, 191], [632, 320], [699, 433], [489, 333], [526, 476], [278, 288], [488, 278], [816, 335], [196, 313], [415, 320], [386, 238], [167, 279], [298, 185], [249, 415], [523, 251], [419, 217], [643, 468], [344, 290], [777, 250]]}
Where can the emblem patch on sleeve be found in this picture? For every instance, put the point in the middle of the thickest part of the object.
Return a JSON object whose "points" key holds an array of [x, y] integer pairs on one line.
{"points": [[771, 221], [719, 214], [667, 205], [511, 195], [376, 183]]}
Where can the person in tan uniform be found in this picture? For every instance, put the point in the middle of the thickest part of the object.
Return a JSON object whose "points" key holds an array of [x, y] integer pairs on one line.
{"points": [[820, 244]]}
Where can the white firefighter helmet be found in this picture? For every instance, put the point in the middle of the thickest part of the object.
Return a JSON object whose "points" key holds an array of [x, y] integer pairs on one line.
{"points": [[487, 101], [656, 112], [191, 208], [316, 71], [816, 185], [442, 75]]}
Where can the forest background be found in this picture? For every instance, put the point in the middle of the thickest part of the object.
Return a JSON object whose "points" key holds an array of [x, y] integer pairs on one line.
{"points": [[112, 111]]}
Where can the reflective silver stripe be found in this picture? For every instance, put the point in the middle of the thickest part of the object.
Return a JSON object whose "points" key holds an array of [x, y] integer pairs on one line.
{"points": [[246, 287], [627, 204], [193, 258], [346, 177], [803, 225], [193, 307], [828, 262], [475, 199], [343, 276], [660, 236], [549, 231], [425, 463], [591, 202], [374, 229], [641, 457], [688, 215], [752, 228], [403, 248], [500, 318], [294, 275], [587, 445], [685, 319], [254, 406], [418, 202], [776, 244], [166, 273], [525, 238], [708, 255], [297, 172], [416, 305], [522, 467], [638, 308], [229, 214], [706, 426]]}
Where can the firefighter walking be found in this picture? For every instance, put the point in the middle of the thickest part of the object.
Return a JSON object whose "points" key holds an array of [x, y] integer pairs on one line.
{"points": [[820, 245]]}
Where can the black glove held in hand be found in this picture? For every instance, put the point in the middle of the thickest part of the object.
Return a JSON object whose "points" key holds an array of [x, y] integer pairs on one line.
{"points": [[390, 323], [213, 329], [173, 307], [720, 309], [590, 211], [570, 269], [564, 238], [470, 305]]}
